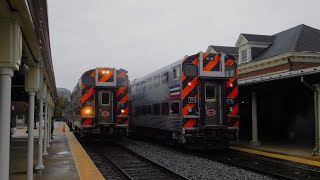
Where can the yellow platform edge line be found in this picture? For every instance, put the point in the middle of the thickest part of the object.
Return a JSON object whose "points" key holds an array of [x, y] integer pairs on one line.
{"points": [[277, 156], [85, 167]]}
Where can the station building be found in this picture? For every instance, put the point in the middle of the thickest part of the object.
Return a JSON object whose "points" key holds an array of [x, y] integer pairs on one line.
{"points": [[27, 83], [279, 87]]}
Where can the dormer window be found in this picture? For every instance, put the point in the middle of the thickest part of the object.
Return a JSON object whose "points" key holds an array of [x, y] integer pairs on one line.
{"points": [[244, 56]]}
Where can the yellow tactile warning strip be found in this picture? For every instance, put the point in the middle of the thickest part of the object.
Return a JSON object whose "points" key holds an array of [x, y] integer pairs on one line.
{"points": [[278, 156], [86, 168]]}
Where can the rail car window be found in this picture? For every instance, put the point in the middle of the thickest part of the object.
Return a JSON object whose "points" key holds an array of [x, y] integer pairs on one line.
{"points": [[105, 98], [175, 108], [164, 78], [156, 81], [138, 88], [156, 109], [211, 92], [143, 86], [230, 71], [88, 81], [175, 73], [137, 108], [190, 70], [149, 109], [165, 108], [143, 110], [149, 84]]}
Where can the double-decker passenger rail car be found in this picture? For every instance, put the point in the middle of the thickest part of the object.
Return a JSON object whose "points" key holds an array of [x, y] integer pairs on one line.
{"points": [[99, 103], [191, 101]]}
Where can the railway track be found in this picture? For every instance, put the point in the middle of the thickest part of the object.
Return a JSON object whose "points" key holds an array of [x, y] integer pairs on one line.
{"points": [[133, 166], [268, 166]]}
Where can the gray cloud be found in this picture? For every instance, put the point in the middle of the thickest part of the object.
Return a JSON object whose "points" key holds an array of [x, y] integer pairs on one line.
{"points": [[143, 35]]}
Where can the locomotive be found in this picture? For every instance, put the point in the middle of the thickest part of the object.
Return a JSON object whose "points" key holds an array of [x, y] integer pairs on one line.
{"points": [[191, 101], [99, 103]]}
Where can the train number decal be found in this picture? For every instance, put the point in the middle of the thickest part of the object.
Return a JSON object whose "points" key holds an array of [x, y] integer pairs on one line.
{"points": [[192, 100]]}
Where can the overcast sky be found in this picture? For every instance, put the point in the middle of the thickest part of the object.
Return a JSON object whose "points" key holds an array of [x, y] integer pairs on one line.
{"points": [[144, 35]]}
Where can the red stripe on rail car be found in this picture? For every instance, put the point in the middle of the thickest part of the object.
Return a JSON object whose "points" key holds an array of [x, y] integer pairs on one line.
{"points": [[120, 90], [125, 111], [183, 76], [190, 123], [118, 120], [88, 121], [127, 122], [188, 89], [235, 110], [122, 74], [93, 74], [236, 124], [229, 62], [212, 64], [234, 92], [125, 98], [87, 95]]}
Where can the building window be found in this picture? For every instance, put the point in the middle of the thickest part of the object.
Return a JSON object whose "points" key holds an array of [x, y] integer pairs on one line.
{"points": [[156, 109], [165, 108], [149, 109], [156, 81], [164, 78], [175, 108], [244, 56]]}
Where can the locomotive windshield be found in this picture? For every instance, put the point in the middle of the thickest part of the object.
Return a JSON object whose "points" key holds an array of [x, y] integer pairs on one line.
{"points": [[88, 81], [190, 70], [122, 82]]}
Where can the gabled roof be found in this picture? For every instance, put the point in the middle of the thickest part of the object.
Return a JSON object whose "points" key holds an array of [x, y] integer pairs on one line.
{"points": [[225, 49], [300, 38], [259, 38]]}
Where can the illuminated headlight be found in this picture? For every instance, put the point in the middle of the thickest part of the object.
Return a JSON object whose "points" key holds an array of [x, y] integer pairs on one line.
{"points": [[122, 110], [189, 109], [189, 83], [105, 72], [88, 111]]}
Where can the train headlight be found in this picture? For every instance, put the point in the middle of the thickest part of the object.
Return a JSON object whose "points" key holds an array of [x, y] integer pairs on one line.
{"points": [[122, 110], [189, 84], [105, 72], [230, 85], [88, 111]]}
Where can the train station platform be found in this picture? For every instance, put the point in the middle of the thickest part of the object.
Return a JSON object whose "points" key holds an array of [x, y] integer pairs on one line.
{"points": [[66, 160], [284, 151]]}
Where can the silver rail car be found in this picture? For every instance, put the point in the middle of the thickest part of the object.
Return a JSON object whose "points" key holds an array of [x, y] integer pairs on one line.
{"points": [[186, 101]]}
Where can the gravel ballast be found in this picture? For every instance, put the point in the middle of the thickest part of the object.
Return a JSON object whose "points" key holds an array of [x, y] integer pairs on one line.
{"points": [[188, 165]]}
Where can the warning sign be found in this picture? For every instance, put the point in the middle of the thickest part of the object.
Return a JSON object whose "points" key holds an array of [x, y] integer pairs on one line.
{"points": [[105, 114]]}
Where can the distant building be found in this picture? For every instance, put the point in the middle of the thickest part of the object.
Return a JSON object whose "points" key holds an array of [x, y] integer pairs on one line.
{"points": [[279, 82]]}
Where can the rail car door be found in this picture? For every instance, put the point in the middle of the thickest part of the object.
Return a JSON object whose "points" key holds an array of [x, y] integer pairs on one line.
{"points": [[105, 107], [212, 103]]}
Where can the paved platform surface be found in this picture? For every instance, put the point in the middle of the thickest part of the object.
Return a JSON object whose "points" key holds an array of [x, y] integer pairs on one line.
{"points": [[290, 152], [66, 160]]}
